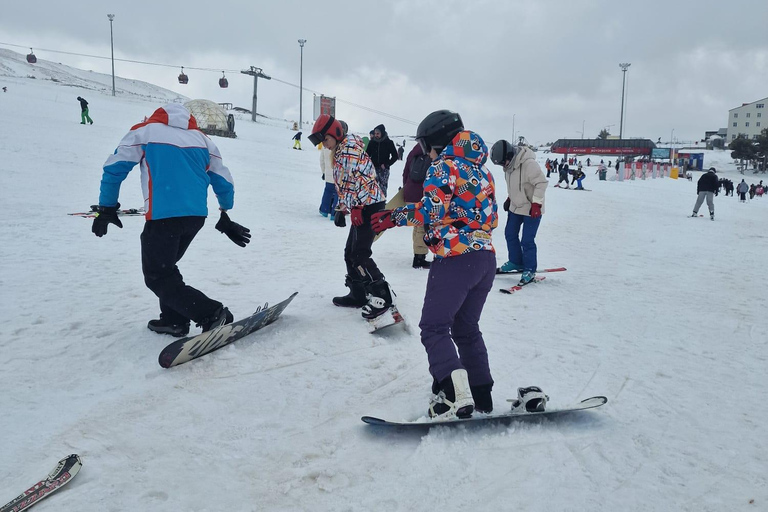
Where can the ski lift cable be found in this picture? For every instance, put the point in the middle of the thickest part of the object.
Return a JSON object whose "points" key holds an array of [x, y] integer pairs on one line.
{"points": [[215, 70]]}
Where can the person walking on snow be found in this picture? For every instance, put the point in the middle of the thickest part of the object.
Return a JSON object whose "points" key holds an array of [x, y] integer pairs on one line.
{"points": [[84, 111], [742, 189], [705, 189], [383, 154], [459, 208], [330, 198], [177, 163], [360, 196], [563, 175], [526, 186], [297, 140]]}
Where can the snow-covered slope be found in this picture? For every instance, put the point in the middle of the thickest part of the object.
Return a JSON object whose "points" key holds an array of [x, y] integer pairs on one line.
{"points": [[15, 69], [662, 313]]}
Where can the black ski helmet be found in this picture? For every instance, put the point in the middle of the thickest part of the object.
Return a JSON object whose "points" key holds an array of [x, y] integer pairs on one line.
{"points": [[502, 152], [438, 129]]}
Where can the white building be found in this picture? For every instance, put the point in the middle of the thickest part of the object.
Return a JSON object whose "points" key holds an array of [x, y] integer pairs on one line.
{"points": [[749, 119]]}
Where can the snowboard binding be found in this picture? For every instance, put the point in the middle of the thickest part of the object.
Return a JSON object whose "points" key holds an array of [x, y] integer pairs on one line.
{"points": [[530, 399]]}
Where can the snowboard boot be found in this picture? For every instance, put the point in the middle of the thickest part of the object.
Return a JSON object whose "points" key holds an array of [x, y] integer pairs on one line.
{"points": [[420, 261], [454, 400], [695, 214], [379, 299], [527, 277], [510, 267], [356, 297], [530, 399], [220, 317], [163, 326], [482, 397], [711, 215]]}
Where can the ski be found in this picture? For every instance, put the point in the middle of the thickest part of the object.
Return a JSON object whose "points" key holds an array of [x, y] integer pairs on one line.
{"points": [[427, 423], [64, 471], [387, 319], [129, 212], [192, 347], [557, 269], [519, 287]]}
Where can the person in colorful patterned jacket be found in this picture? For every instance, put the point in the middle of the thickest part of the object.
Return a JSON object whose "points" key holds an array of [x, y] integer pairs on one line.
{"points": [[177, 162], [459, 212], [360, 196]]}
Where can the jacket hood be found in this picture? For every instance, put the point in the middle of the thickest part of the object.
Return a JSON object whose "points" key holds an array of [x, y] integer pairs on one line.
{"points": [[523, 153], [174, 115], [469, 146]]}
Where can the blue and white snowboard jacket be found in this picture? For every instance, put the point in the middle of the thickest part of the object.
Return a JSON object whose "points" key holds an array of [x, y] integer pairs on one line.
{"points": [[178, 162]]}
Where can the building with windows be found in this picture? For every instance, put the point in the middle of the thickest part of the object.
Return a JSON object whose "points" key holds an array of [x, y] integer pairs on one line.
{"points": [[749, 119]]}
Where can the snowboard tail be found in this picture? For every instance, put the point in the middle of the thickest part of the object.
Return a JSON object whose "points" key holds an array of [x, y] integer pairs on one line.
{"points": [[387, 319], [64, 471], [556, 269], [192, 347], [519, 287], [426, 423]]}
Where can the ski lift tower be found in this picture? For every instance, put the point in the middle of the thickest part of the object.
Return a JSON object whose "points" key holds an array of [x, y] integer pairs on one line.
{"points": [[256, 73]]}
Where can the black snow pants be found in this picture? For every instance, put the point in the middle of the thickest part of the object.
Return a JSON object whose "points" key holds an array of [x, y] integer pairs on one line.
{"points": [[358, 253], [163, 244]]}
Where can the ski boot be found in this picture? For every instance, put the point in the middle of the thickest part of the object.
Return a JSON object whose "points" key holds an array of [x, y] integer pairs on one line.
{"points": [[379, 299], [530, 399], [420, 261], [220, 317], [510, 267], [527, 277], [163, 326], [356, 297], [454, 399]]}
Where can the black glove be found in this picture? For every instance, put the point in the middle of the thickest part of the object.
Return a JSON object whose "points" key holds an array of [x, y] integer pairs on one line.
{"points": [[340, 219], [506, 204], [104, 216], [237, 233]]}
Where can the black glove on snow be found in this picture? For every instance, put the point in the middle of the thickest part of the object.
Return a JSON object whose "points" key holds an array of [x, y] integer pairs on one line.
{"points": [[105, 215], [340, 219], [237, 233]]}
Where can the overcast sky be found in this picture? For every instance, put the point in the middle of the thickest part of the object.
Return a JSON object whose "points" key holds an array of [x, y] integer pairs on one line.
{"points": [[552, 64]]}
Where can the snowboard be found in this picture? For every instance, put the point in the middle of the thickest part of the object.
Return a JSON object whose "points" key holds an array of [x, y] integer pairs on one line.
{"points": [[426, 423], [129, 212], [192, 347], [64, 471], [557, 269], [518, 287], [387, 319]]}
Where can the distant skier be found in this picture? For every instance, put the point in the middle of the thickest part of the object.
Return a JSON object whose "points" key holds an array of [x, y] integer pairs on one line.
{"points": [[578, 177], [183, 162], [459, 207], [706, 190], [563, 175], [5, 89], [360, 196], [297, 141], [526, 186], [742, 189], [383, 154], [84, 111], [400, 151]]}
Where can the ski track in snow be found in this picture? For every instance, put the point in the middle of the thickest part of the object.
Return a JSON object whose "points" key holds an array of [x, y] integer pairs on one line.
{"points": [[662, 314]]}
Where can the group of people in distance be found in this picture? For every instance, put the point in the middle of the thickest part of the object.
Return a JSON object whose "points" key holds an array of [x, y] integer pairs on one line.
{"points": [[457, 211]]}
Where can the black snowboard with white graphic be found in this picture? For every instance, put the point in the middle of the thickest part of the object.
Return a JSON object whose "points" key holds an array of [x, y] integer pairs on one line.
{"points": [[426, 423], [59, 476], [192, 347]]}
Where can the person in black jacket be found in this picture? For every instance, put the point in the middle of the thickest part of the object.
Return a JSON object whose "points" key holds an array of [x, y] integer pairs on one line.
{"points": [[84, 111], [706, 188], [383, 154]]}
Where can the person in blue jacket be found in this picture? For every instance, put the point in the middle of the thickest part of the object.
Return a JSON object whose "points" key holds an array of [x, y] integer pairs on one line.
{"points": [[177, 163]]}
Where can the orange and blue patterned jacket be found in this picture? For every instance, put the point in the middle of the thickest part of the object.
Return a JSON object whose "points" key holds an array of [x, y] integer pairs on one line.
{"points": [[459, 208], [354, 175]]}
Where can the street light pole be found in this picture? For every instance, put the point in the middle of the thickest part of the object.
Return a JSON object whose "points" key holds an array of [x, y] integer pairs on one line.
{"points": [[582, 128], [301, 80], [514, 139], [624, 67], [112, 46]]}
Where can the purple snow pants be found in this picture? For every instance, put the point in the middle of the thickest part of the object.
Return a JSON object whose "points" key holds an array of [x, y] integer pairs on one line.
{"points": [[456, 291]]}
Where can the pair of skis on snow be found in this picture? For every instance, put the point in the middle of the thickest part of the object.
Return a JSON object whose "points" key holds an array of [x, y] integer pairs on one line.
{"points": [[512, 289]]}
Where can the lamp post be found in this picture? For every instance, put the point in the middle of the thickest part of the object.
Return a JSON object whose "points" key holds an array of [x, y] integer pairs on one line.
{"points": [[112, 46], [624, 67], [582, 128], [514, 139], [301, 80]]}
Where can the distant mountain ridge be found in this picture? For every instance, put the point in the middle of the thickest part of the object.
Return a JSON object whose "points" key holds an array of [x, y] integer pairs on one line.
{"points": [[14, 65]]}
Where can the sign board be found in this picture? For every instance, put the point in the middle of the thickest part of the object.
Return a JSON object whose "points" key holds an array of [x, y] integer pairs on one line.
{"points": [[660, 153], [324, 105]]}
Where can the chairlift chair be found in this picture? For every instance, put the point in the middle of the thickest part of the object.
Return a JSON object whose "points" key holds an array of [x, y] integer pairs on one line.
{"points": [[31, 57], [223, 83], [183, 79]]}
